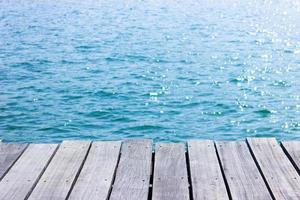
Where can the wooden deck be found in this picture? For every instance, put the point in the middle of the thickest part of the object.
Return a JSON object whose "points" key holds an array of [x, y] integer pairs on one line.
{"points": [[258, 169]]}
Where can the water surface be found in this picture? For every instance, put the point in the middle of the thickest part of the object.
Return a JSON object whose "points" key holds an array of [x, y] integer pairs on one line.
{"points": [[160, 69]]}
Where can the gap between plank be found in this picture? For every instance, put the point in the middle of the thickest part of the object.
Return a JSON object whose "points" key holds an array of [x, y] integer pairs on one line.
{"points": [[260, 171], [290, 158], [151, 177], [13, 162], [223, 173], [115, 172], [78, 172], [42, 172], [189, 175]]}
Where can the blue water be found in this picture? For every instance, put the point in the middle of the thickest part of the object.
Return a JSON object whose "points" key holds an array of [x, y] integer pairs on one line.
{"points": [[169, 70]]}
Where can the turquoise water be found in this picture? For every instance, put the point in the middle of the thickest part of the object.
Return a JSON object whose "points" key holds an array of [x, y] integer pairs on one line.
{"points": [[166, 70]]}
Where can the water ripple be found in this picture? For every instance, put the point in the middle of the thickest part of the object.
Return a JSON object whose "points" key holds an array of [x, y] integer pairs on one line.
{"points": [[164, 70]]}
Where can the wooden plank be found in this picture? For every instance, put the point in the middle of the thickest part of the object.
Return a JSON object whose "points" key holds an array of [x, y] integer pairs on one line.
{"points": [[57, 180], [242, 175], [206, 175], [24, 174], [134, 171], [279, 172], [293, 149], [9, 153], [170, 180], [96, 176]]}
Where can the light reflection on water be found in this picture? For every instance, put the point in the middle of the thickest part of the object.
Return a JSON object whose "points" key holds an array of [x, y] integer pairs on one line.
{"points": [[167, 70]]}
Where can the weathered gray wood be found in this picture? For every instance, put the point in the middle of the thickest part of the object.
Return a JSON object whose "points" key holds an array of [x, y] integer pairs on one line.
{"points": [[57, 180], [242, 175], [134, 171], [96, 176], [279, 172], [293, 149], [206, 174], [9, 153], [24, 174], [170, 180]]}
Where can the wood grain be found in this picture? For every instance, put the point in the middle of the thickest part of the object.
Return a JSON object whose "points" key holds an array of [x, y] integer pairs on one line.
{"points": [[24, 174], [133, 172], [96, 176], [57, 180], [293, 149], [242, 175], [206, 175], [170, 180], [9, 153], [279, 172]]}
